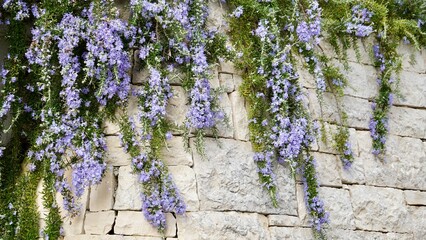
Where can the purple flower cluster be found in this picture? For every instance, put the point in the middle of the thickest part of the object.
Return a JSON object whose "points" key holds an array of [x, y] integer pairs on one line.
{"points": [[310, 30], [264, 161], [18, 7], [360, 23], [347, 155]]}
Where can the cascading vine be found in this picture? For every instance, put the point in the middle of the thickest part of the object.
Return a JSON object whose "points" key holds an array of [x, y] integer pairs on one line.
{"points": [[74, 73], [281, 128]]}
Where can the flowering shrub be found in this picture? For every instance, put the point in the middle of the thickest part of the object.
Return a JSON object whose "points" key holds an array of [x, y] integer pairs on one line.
{"points": [[74, 73]]}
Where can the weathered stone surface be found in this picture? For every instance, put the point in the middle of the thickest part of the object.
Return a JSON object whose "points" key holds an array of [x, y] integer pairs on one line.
{"points": [[238, 80], [73, 225], [379, 209], [417, 221], [216, 18], [358, 110], [297, 233], [407, 122], [99, 222], [140, 74], [412, 87], [343, 234], [403, 164], [128, 190], [116, 155], [184, 178], [222, 225], [175, 154], [226, 82], [360, 76], [109, 237], [305, 78], [408, 54], [364, 49], [328, 169], [283, 221], [228, 176], [355, 174], [239, 116], [177, 108], [338, 203], [102, 195], [225, 127], [415, 198], [134, 223], [226, 67]]}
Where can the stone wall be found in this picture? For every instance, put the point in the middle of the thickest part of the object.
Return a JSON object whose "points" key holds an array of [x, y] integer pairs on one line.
{"points": [[373, 200]]}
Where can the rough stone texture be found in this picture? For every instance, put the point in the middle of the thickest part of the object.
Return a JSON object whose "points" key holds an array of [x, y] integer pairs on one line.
{"points": [[408, 54], [359, 76], [338, 203], [226, 82], [222, 225], [224, 128], [238, 80], [343, 234], [216, 19], [102, 195], [404, 162], [228, 176], [134, 223], [128, 190], [239, 116], [283, 221], [116, 155], [140, 75], [184, 177], [415, 198], [355, 174], [413, 90], [108, 237], [417, 221], [379, 209], [175, 154], [328, 169], [177, 108], [226, 67], [296, 233], [358, 110], [408, 122], [99, 222]]}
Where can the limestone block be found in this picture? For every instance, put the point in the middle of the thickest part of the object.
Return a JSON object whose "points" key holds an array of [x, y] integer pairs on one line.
{"points": [[177, 106], [239, 116], [175, 154], [228, 176], [109, 237], [412, 87], [417, 221], [301, 205], [238, 80], [214, 80], [176, 76], [112, 128], [408, 54], [226, 82], [102, 195], [184, 178], [224, 127], [115, 154], [305, 77], [338, 203], [216, 18], [362, 81], [283, 221], [222, 225], [293, 233], [358, 110], [403, 164], [134, 223], [343, 234], [415, 198], [365, 47], [407, 122], [73, 225], [329, 145], [99, 222], [226, 67], [328, 169], [128, 190], [355, 174], [379, 209]]}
